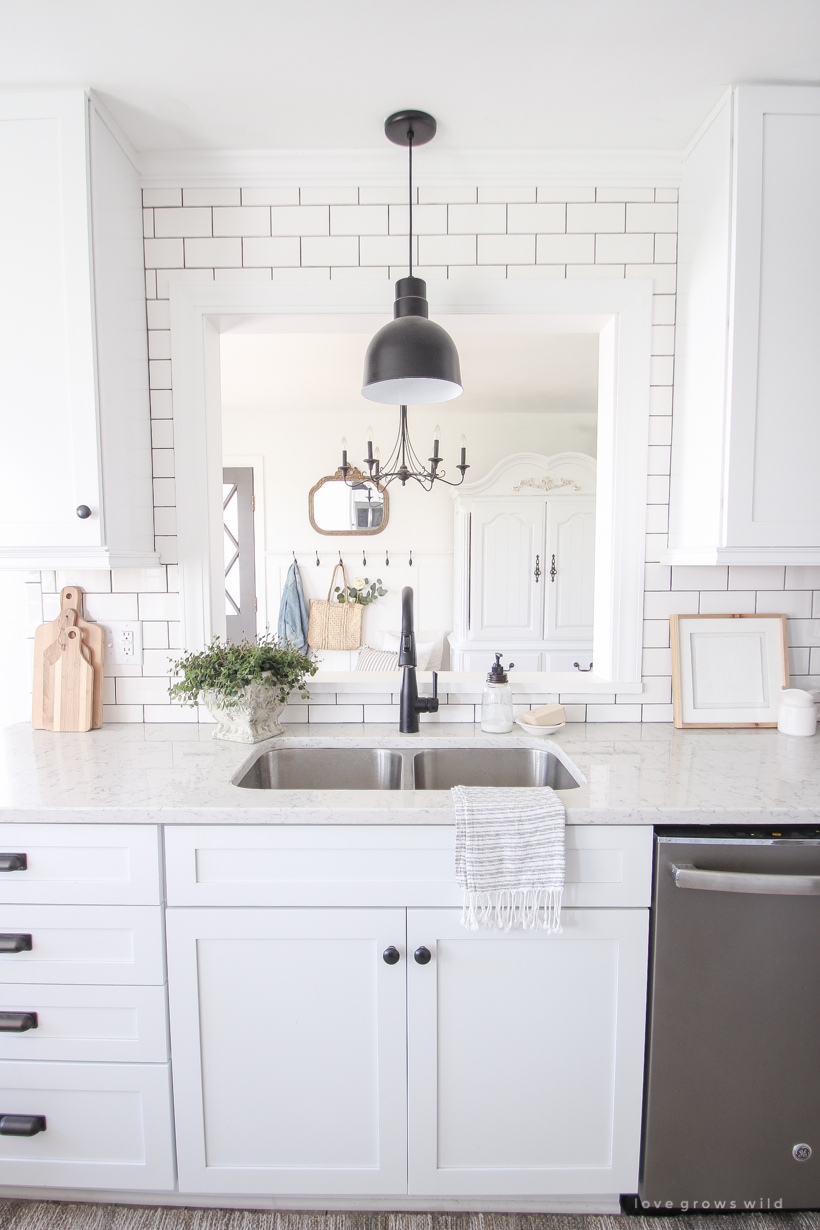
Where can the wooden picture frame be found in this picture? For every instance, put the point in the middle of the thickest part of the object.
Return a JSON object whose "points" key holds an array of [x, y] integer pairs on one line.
{"points": [[355, 475], [736, 683]]}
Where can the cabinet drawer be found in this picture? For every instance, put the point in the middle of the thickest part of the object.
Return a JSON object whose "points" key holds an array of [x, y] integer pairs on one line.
{"points": [[82, 864], [106, 1125], [380, 865], [102, 1024], [83, 944]]}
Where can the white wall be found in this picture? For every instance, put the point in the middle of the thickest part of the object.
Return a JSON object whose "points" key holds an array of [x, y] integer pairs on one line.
{"points": [[340, 232]]}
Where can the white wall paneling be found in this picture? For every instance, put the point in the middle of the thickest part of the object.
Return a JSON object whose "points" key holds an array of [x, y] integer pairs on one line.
{"points": [[620, 311], [746, 433], [73, 339]]}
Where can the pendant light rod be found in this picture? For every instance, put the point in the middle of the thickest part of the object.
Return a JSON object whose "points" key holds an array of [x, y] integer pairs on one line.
{"points": [[410, 164]]}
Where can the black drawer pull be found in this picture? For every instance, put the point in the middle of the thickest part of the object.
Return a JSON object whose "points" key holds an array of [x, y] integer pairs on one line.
{"points": [[391, 955], [13, 862], [17, 1022], [422, 955], [15, 943], [22, 1125]]}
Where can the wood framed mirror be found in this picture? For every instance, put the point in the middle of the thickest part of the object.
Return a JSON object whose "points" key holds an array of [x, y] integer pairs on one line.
{"points": [[355, 506]]}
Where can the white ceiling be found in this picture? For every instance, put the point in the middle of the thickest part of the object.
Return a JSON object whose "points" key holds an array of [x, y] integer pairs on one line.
{"points": [[497, 74], [295, 374]]}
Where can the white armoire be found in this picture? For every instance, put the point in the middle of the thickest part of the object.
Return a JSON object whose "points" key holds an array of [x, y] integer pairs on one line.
{"points": [[524, 564]]}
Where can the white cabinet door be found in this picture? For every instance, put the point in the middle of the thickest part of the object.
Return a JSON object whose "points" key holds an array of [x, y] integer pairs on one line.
{"points": [[507, 548], [570, 567], [73, 339], [288, 1046], [526, 1056]]}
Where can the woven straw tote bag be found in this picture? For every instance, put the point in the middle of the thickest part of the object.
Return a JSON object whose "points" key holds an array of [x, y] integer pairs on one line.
{"points": [[333, 624]]}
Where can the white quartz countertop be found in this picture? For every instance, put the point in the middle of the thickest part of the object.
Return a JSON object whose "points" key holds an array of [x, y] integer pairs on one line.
{"points": [[635, 774]]}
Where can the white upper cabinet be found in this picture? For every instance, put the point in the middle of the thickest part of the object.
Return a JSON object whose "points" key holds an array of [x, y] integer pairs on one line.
{"points": [[525, 563], [746, 429], [73, 339]]}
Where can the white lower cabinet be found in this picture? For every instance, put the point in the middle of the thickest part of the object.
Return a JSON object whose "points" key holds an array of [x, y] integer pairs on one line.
{"points": [[106, 1125], [526, 1055], [288, 1043], [506, 1065]]}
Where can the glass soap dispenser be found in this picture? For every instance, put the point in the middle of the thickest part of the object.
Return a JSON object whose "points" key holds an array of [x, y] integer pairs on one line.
{"points": [[496, 702]]}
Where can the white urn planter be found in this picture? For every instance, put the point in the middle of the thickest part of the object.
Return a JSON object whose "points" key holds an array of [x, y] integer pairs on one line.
{"points": [[254, 716]]}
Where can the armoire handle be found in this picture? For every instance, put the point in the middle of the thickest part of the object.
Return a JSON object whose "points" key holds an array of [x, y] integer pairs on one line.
{"points": [[537, 573], [553, 570]]}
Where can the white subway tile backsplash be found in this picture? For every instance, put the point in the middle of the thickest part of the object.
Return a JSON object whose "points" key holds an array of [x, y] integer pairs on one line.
{"points": [[641, 217], [267, 252], [163, 253], [447, 249], [211, 196], [166, 276], [359, 273], [727, 602], [660, 605], [161, 196], [656, 633], [594, 219], [565, 249], [660, 400], [136, 580], [442, 195], [270, 196], [393, 194], [122, 713], [159, 343], [489, 195], [427, 220], [796, 603], [201, 253], [475, 219], [251, 274], [625, 194], [384, 250], [159, 373], [158, 606], [802, 577], [622, 248], [746, 576], [663, 309], [358, 219], [546, 218], [595, 271], [666, 249], [329, 196], [162, 435], [666, 194], [614, 713], [506, 249], [247, 220], [663, 277], [330, 250], [301, 220], [154, 635], [661, 369], [102, 607], [171, 223], [660, 429], [159, 314], [551, 192], [167, 548], [536, 271], [708, 577], [148, 223]]}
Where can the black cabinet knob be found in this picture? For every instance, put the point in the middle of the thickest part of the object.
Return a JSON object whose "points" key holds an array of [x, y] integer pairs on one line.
{"points": [[83, 511], [22, 1125], [422, 955], [13, 862], [17, 1022], [391, 955], [15, 943]]}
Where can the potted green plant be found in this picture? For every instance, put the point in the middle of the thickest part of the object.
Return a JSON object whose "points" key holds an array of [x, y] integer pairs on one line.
{"points": [[245, 686]]}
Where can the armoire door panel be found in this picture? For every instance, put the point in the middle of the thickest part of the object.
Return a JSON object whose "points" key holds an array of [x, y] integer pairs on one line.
{"points": [[507, 597], [570, 568]]}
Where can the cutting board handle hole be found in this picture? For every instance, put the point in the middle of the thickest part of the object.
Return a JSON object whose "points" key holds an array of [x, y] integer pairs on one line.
{"points": [[72, 634]]}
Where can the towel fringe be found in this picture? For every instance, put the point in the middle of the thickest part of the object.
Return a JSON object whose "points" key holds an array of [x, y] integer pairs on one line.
{"points": [[532, 909]]}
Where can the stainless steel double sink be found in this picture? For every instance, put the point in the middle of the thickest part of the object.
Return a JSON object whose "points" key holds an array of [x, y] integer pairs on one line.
{"points": [[378, 768]]}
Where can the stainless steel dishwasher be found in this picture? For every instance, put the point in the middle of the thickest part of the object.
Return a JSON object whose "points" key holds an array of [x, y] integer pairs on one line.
{"points": [[732, 1100]]}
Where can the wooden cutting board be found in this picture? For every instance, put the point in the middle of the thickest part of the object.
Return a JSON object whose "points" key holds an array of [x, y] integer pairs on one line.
{"points": [[93, 636], [68, 680]]}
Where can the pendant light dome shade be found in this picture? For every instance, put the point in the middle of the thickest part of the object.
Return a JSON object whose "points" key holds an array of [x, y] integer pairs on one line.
{"points": [[411, 360]]}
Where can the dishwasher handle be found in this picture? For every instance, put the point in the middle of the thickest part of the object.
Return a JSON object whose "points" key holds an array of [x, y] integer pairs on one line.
{"points": [[687, 876]]}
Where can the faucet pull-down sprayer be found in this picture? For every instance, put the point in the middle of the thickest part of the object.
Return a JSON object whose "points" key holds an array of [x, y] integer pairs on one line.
{"points": [[411, 704]]}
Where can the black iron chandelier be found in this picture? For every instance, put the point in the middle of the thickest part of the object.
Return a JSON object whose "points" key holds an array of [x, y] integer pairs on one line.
{"points": [[411, 359]]}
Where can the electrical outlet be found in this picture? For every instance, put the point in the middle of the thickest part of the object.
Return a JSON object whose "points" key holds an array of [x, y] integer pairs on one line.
{"points": [[123, 644]]}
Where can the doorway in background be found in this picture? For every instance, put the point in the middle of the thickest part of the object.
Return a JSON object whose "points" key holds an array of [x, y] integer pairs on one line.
{"points": [[239, 554]]}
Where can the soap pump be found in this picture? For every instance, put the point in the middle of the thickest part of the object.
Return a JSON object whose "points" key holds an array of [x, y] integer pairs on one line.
{"points": [[496, 702]]}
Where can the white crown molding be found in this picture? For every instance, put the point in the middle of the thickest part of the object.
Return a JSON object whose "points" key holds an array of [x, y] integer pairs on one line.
{"points": [[382, 168]]}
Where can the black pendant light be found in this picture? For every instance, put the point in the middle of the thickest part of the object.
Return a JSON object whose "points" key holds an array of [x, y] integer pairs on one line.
{"points": [[412, 360]]}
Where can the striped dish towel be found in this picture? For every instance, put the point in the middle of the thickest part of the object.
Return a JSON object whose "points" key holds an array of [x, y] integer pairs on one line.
{"points": [[510, 857]]}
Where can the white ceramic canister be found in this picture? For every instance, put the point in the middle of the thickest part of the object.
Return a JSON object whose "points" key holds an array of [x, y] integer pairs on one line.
{"points": [[797, 712]]}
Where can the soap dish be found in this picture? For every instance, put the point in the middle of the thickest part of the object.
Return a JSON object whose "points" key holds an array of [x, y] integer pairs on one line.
{"points": [[538, 730]]}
